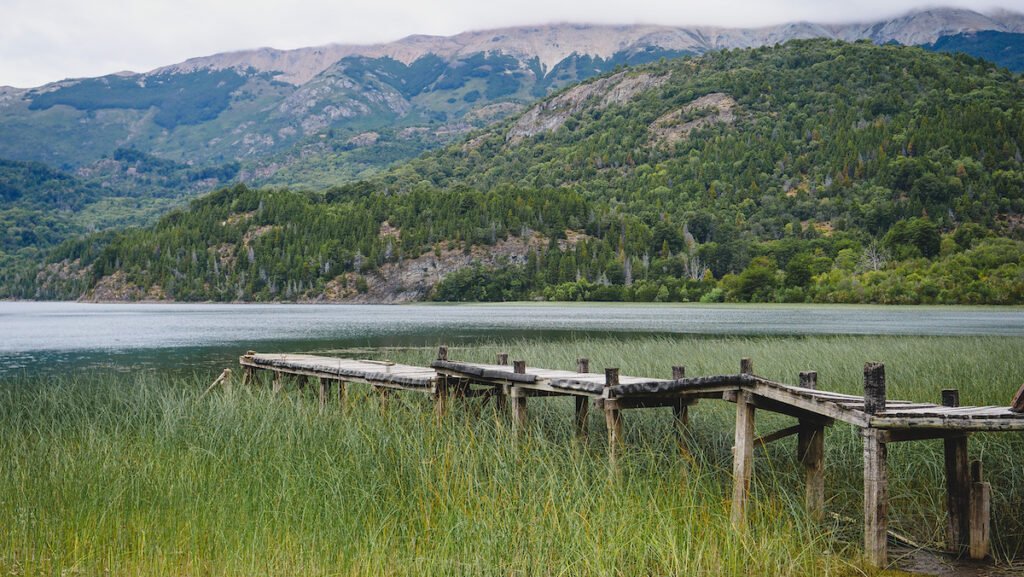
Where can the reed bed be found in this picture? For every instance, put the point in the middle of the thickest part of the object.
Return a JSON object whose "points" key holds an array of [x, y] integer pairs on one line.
{"points": [[140, 475]]}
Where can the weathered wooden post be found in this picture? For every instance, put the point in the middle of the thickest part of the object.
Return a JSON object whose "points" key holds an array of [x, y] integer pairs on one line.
{"points": [[325, 392], [277, 384], [981, 513], [500, 401], [342, 394], [441, 386], [1017, 403], [742, 455], [958, 484], [811, 454], [518, 398], [876, 476], [582, 403], [385, 396], [809, 379], [612, 413], [747, 366], [680, 410], [249, 373]]}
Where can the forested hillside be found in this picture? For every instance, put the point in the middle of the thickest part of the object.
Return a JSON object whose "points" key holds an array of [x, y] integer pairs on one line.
{"points": [[812, 171]]}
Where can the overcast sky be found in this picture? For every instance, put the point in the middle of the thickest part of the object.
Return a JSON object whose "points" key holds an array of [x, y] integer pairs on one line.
{"points": [[47, 40]]}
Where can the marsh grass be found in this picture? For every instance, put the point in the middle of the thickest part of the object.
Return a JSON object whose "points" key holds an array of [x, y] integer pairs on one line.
{"points": [[137, 475]]}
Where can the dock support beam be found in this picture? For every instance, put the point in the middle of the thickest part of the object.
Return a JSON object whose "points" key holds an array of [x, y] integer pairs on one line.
{"points": [[876, 474], [582, 403], [742, 458], [612, 415], [958, 484], [278, 383], [342, 394]]}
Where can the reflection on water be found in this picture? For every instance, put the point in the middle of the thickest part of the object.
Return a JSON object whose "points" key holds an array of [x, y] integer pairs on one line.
{"points": [[33, 335]]}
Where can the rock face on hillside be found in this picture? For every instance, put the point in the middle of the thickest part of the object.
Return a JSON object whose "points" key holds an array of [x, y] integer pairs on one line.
{"points": [[549, 116], [714, 108]]}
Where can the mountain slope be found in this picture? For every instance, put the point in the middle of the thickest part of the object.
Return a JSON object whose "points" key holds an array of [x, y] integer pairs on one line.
{"points": [[262, 107], [1003, 48], [812, 171]]}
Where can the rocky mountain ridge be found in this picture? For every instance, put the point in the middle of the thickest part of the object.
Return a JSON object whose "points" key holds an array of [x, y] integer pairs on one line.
{"points": [[553, 43]]}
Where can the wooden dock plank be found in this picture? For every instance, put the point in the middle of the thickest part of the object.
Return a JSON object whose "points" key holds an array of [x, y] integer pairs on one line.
{"points": [[373, 372]]}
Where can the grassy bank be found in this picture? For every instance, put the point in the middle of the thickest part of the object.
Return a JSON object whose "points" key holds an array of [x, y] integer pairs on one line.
{"points": [[136, 475]]}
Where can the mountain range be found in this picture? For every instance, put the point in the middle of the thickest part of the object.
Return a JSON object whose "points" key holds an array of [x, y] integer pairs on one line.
{"points": [[815, 170], [273, 110], [127, 147]]}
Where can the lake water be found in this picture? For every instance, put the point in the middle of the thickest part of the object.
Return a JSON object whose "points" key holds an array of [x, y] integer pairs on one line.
{"points": [[33, 335]]}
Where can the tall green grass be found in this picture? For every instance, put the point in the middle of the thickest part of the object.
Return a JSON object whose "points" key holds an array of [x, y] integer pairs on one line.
{"points": [[138, 475]]}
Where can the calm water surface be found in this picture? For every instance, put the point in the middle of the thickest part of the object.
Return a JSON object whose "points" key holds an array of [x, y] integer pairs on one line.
{"points": [[33, 335]]}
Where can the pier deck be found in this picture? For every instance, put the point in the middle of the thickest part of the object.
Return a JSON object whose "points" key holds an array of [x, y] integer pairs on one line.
{"points": [[881, 421]]}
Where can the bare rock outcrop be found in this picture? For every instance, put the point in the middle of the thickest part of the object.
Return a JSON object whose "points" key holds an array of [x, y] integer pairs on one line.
{"points": [[714, 108], [550, 115]]}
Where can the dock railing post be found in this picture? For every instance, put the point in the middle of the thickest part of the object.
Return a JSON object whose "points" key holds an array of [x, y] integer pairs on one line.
{"points": [[612, 414], [747, 366], [582, 402], [876, 475], [958, 484]]}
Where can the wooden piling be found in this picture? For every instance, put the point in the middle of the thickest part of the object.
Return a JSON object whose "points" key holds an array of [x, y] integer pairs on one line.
{"points": [[680, 411], [612, 414], [958, 485], [441, 396], [249, 372], [980, 514], [876, 474], [277, 384], [809, 379], [582, 403], [811, 453], [874, 388], [1017, 404], [325, 392], [385, 397], [747, 366], [500, 392], [742, 458], [519, 398], [342, 394]]}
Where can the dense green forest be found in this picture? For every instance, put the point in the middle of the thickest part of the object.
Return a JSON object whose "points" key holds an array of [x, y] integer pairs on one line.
{"points": [[1002, 48], [813, 171]]}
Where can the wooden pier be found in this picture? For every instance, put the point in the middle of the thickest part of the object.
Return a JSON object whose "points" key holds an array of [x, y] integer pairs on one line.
{"points": [[880, 420]]}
